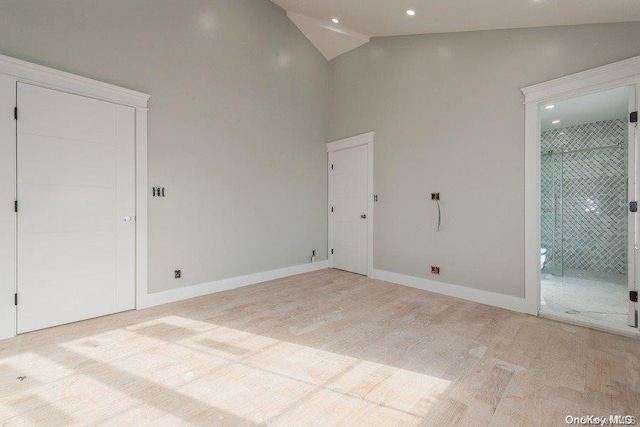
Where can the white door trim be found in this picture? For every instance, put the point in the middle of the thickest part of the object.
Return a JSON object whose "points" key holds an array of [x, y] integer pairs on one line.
{"points": [[343, 144], [26, 72], [623, 73], [55, 79]]}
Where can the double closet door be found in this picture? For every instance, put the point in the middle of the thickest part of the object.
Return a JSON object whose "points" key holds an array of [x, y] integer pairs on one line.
{"points": [[75, 219]]}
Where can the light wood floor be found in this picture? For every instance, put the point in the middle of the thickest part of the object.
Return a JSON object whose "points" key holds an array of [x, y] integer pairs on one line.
{"points": [[325, 348]]}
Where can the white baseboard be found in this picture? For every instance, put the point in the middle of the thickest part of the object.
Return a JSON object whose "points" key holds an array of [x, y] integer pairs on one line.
{"points": [[179, 294], [470, 294]]}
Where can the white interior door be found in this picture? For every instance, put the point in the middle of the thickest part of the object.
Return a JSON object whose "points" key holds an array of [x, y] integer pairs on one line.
{"points": [[349, 199], [76, 201], [7, 197]]}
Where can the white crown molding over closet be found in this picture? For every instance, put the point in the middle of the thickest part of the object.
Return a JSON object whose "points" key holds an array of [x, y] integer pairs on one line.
{"points": [[16, 71], [618, 74], [44, 76]]}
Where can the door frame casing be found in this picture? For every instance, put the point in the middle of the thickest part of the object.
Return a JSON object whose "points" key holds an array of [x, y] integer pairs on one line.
{"points": [[618, 74], [343, 144], [30, 73]]}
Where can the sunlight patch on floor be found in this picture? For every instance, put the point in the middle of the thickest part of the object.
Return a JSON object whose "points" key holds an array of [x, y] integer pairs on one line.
{"points": [[175, 369]]}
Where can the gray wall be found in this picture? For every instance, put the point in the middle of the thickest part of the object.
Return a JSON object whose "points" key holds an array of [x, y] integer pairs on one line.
{"points": [[448, 115], [237, 121]]}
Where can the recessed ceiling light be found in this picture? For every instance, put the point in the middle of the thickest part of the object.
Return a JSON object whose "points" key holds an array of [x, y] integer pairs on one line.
{"points": [[335, 20], [555, 122], [411, 12], [550, 106]]}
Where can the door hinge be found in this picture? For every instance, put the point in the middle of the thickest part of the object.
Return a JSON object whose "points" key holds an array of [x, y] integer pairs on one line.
{"points": [[633, 117], [15, 206], [331, 251], [633, 206], [15, 113], [332, 167], [633, 296], [15, 299], [331, 208]]}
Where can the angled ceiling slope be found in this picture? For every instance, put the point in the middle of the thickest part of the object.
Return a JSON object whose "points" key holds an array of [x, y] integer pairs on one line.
{"points": [[331, 40], [381, 18]]}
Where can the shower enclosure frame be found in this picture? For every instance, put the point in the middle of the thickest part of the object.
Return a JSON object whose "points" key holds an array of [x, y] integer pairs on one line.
{"points": [[618, 74]]}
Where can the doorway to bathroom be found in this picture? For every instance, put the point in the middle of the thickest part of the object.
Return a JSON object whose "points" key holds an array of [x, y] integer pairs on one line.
{"points": [[587, 229]]}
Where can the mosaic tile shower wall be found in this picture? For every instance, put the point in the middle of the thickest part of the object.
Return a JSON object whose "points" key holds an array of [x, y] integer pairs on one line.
{"points": [[584, 197]]}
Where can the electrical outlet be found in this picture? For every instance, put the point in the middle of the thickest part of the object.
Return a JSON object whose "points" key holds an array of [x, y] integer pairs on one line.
{"points": [[435, 196], [158, 192], [178, 274], [435, 269]]}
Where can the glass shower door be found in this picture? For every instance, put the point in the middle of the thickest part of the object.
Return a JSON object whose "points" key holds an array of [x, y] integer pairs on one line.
{"points": [[588, 239], [551, 215]]}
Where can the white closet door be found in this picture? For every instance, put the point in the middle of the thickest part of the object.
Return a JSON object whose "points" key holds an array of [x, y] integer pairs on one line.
{"points": [[76, 199], [7, 216], [349, 202]]}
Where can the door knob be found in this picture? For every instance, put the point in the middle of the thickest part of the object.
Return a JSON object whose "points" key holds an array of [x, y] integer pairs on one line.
{"points": [[127, 218], [363, 216]]}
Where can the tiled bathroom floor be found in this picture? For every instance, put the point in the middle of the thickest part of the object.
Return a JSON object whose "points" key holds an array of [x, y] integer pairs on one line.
{"points": [[593, 297]]}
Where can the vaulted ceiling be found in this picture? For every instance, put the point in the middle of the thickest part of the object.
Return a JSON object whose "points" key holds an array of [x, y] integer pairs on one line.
{"points": [[361, 19]]}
